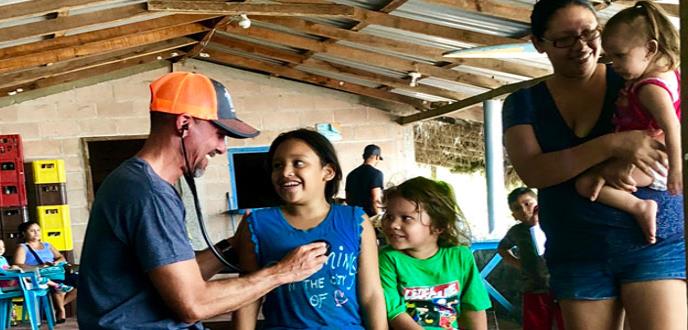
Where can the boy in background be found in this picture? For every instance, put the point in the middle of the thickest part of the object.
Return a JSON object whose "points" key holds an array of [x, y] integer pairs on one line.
{"points": [[540, 310]]}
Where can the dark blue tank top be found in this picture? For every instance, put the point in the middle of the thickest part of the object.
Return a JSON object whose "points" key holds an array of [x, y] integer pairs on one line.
{"points": [[576, 228], [328, 298]]}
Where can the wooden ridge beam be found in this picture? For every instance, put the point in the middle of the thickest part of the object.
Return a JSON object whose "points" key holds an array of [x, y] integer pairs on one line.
{"points": [[287, 72], [14, 80], [63, 23], [42, 7], [89, 37], [363, 56], [90, 72], [99, 47], [301, 60], [237, 8], [400, 46], [457, 106]]}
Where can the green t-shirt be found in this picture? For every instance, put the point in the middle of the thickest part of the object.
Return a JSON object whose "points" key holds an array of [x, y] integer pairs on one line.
{"points": [[435, 290]]}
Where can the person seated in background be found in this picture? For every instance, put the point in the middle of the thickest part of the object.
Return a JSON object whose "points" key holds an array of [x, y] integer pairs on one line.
{"points": [[35, 253]]}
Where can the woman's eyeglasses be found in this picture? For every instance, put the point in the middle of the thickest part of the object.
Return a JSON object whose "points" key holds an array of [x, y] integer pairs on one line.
{"points": [[567, 42]]}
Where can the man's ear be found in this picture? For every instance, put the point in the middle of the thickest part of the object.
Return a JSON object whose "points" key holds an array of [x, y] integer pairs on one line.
{"points": [[537, 43], [182, 124]]}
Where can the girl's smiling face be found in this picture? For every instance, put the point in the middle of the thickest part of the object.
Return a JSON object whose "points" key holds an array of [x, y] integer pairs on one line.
{"points": [[298, 174]]}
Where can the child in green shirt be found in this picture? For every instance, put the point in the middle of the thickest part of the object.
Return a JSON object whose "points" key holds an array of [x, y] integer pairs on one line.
{"points": [[428, 274]]}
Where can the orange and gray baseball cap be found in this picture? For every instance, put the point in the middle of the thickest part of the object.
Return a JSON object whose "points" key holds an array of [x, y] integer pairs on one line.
{"points": [[199, 97]]}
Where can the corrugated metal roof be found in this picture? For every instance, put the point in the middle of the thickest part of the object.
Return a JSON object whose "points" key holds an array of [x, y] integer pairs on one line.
{"points": [[459, 19]]}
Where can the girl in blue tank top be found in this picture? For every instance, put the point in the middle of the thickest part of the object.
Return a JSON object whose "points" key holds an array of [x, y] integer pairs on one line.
{"points": [[346, 293]]}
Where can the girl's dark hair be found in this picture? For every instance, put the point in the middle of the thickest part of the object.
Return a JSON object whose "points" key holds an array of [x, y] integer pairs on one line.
{"points": [[321, 146], [24, 226], [545, 9], [437, 199], [650, 22]]}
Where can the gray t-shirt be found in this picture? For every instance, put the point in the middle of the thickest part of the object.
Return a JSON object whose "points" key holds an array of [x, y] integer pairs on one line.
{"points": [[533, 268], [136, 225]]}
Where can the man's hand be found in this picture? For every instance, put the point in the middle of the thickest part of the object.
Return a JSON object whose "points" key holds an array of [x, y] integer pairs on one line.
{"points": [[302, 262]]}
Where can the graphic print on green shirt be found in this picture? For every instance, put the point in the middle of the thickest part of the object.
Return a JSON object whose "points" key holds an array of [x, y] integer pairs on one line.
{"points": [[434, 306]]}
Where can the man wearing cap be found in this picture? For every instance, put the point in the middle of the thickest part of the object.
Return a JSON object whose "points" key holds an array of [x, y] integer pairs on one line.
{"points": [[138, 269], [364, 184]]}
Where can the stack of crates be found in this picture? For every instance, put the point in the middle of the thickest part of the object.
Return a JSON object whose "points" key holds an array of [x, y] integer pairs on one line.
{"points": [[48, 201], [12, 191]]}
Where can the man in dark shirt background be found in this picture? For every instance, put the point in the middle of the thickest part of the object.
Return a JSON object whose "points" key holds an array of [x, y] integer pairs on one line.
{"points": [[364, 184]]}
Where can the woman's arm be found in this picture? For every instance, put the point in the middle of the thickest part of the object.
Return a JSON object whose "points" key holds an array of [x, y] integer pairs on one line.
{"points": [[658, 103], [19, 258], [370, 293], [57, 256], [245, 317], [473, 320], [540, 170]]}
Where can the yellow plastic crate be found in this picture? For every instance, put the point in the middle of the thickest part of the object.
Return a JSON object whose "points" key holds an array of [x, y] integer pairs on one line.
{"points": [[61, 239], [49, 171], [53, 217]]}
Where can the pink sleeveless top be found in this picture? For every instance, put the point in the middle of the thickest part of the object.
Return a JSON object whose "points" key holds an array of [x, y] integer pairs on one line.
{"points": [[631, 115]]}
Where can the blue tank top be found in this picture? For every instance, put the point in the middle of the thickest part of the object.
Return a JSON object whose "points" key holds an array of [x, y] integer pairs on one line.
{"points": [[46, 255], [328, 298]]}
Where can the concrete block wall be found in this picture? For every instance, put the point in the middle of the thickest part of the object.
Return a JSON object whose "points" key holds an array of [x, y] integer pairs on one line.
{"points": [[54, 126]]}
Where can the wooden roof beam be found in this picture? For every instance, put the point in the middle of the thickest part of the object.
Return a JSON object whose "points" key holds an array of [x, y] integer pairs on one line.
{"points": [[363, 56], [98, 47], [89, 37], [237, 8], [42, 7], [91, 72], [465, 103], [401, 46], [164, 49], [61, 24], [490, 8], [297, 60], [287, 72], [378, 18]]}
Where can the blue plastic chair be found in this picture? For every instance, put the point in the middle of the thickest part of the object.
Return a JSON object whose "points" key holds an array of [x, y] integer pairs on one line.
{"points": [[34, 297]]}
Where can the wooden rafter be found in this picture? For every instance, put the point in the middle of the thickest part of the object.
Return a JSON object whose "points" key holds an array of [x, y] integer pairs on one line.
{"points": [[402, 47], [42, 7], [61, 24], [206, 38], [92, 71], [412, 25], [367, 57], [99, 47], [457, 106], [287, 72], [94, 36], [236, 8], [490, 8], [298, 61], [164, 49]]}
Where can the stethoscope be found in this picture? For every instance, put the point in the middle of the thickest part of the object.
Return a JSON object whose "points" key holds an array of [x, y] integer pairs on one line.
{"points": [[188, 176]]}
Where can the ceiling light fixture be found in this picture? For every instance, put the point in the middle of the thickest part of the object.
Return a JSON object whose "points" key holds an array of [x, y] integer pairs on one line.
{"points": [[414, 75]]}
